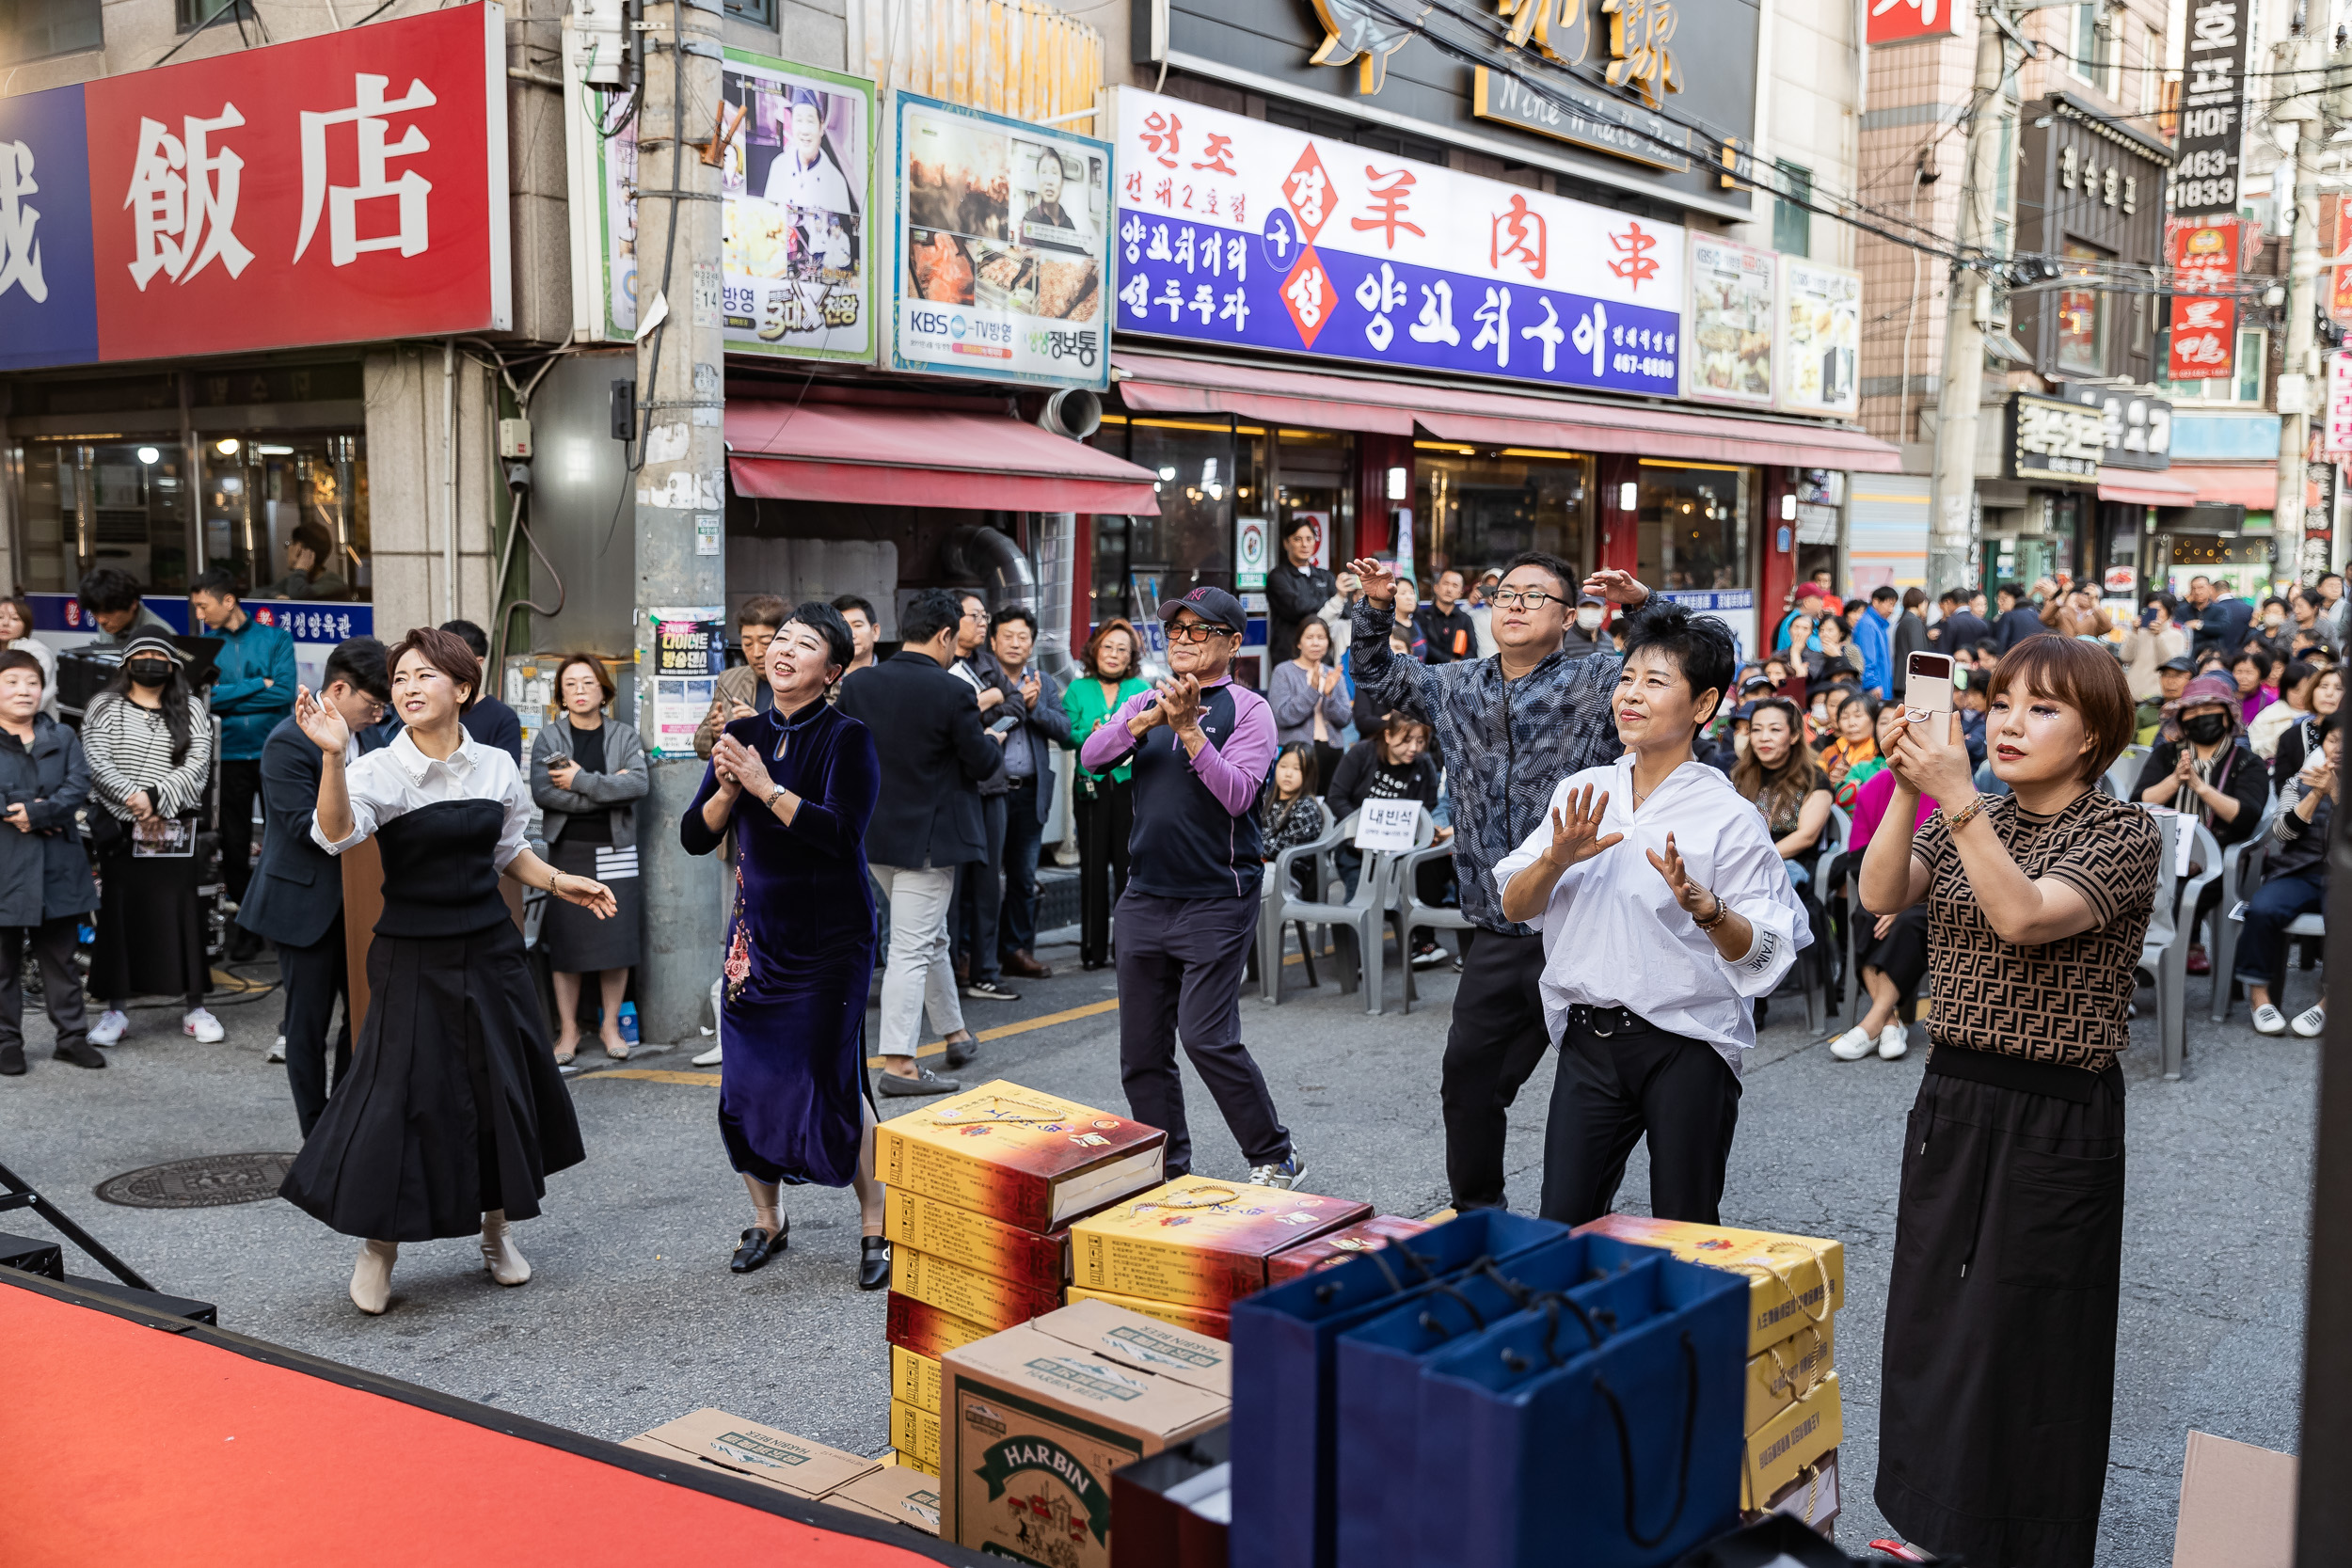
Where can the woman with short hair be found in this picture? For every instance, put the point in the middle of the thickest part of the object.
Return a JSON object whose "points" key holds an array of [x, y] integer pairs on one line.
{"points": [[2294, 741], [1104, 803], [2295, 883], [587, 770], [45, 889], [1999, 1360], [16, 634]]}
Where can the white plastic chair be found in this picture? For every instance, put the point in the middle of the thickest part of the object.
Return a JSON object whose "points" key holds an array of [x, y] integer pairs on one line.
{"points": [[2164, 953], [1279, 896], [1834, 838], [1412, 913], [1362, 921], [2123, 772], [2241, 873]]}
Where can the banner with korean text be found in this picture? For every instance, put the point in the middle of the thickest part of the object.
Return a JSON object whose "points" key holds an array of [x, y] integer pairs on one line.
{"points": [[1236, 231], [342, 188], [2204, 329]]}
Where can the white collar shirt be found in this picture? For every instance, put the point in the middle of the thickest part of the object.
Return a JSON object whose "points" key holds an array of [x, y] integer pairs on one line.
{"points": [[1613, 936], [394, 780]]}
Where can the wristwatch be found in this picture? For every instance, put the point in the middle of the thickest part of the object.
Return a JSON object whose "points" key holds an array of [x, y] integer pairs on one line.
{"points": [[773, 790]]}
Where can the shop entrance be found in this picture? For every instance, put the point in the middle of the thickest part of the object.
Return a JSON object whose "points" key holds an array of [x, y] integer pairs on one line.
{"points": [[1479, 507]]}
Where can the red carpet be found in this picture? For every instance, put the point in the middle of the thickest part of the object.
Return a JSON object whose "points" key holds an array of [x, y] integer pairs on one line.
{"points": [[130, 1444]]}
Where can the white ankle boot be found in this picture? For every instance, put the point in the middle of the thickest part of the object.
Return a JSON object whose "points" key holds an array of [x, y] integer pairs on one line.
{"points": [[372, 1277], [499, 1253]]}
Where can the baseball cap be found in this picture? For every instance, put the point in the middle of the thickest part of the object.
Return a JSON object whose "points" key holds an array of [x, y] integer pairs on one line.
{"points": [[1583, 599], [1210, 604], [1754, 680], [2184, 664]]}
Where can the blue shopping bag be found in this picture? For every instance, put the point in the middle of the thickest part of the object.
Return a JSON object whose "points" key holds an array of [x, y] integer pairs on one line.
{"points": [[1283, 1339], [1378, 1381], [1565, 1446]]}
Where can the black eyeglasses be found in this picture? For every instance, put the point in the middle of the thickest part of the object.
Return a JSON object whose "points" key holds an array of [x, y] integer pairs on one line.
{"points": [[1513, 598], [1197, 631]]}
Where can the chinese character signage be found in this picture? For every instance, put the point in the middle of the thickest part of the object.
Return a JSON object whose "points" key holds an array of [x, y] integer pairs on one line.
{"points": [[1905, 21], [2336, 232], [1820, 337], [2137, 432], [2213, 108], [1240, 232], [2053, 438], [796, 264], [1002, 265], [334, 189], [2203, 334], [2338, 436], [1732, 288]]}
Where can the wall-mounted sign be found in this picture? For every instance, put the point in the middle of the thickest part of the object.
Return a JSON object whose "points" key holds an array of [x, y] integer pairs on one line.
{"points": [[342, 188], [2337, 436], [2204, 340], [1624, 130], [1250, 552], [2051, 438], [1002, 258], [2136, 430], [1730, 356], [2335, 228], [1908, 20], [2212, 109], [1241, 232], [1820, 337]]}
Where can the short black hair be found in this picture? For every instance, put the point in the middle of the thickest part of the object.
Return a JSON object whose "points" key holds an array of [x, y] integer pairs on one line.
{"points": [[361, 661], [928, 613], [1951, 596], [1883, 592], [2013, 590], [220, 582], [108, 589], [1013, 612], [470, 635], [1298, 521], [1561, 571], [848, 602], [826, 622], [1700, 645], [19, 658]]}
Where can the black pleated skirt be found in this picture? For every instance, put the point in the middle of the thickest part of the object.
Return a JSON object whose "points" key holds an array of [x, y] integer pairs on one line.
{"points": [[151, 931], [1999, 1357], [453, 1105]]}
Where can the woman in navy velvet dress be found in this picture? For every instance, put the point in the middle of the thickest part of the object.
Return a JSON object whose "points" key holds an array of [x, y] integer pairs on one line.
{"points": [[796, 785]]}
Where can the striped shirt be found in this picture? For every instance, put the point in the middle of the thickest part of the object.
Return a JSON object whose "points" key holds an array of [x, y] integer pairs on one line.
{"points": [[129, 750]]}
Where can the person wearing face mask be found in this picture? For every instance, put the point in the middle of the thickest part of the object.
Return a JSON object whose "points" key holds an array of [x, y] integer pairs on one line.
{"points": [[587, 772], [2295, 883], [2201, 765], [45, 885], [1587, 636], [149, 744]]}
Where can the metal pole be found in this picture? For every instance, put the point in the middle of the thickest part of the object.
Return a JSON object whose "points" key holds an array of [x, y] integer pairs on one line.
{"points": [[448, 479], [1962, 383], [2299, 56]]}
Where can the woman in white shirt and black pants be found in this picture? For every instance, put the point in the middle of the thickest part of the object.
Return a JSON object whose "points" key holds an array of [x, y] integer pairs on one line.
{"points": [[1664, 911]]}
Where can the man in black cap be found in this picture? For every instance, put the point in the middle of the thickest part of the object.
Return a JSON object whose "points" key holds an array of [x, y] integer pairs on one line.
{"points": [[1587, 634], [2172, 676], [1194, 862]]}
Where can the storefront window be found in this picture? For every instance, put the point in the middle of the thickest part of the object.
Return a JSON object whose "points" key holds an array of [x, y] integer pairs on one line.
{"points": [[1476, 509], [1140, 560], [288, 516], [1694, 524], [2244, 386], [2082, 324], [1315, 474]]}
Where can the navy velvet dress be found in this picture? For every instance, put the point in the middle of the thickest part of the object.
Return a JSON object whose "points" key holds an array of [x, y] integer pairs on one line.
{"points": [[800, 952]]}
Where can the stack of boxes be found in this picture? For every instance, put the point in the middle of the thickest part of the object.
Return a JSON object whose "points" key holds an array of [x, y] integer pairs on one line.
{"points": [[1186, 1251], [1794, 1421], [982, 1188], [716, 1440]]}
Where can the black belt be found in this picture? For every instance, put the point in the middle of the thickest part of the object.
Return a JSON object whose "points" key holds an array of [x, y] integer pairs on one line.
{"points": [[1609, 1021], [2004, 1071]]}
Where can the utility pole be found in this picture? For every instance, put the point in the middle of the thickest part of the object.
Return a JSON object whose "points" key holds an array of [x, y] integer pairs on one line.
{"points": [[681, 486], [2298, 103], [1952, 540]]}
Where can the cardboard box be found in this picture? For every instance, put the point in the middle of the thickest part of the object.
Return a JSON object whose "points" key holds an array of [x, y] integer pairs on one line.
{"points": [[914, 1379], [1148, 1344], [1779, 1375], [918, 1326], [763, 1453], [966, 1293], [1780, 1451], [1035, 1422], [1196, 1242], [1811, 1498], [1797, 1281], [1213, 1322], [1032, 1160], [974, 1240], [2237, 1506], [1349, 1242], [899, 1492], [906, 1462], [915, 1432]]}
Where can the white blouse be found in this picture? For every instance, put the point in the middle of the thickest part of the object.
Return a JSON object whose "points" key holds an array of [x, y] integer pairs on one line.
{"points": [[397, 779], [1613, 936]]}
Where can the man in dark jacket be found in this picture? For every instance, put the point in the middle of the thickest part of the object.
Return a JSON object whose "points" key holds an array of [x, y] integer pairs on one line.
{"points": [[2018, 618], [926, 822], [980, 883], [254, 691], [1033, 698], [2214, 622], [489, 720], [1961, 627], [1295, 590], [296, 899], [1451, 633], [1911, 637], [45, 886]]}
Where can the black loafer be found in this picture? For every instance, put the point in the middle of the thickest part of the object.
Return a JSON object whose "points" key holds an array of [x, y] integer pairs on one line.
{"points": [[962, 1051], [758, 1247], [873, 1263]]}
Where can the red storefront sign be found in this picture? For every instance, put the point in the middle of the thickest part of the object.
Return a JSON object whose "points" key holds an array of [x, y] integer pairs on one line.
{"points": [[334, 189], [2336, 222], [2204, 328], [1902, 21]]}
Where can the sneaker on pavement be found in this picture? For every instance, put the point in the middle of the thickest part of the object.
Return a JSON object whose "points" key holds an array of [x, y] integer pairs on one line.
{"points": [[201, 1022], [2310, 1021], [990, 990], [109, 1027], [1855, 1044], [708, 1058], [1893, 1040], [1428, 956], [924, 1082], [1285, 1176], [277, 1051], [2269, 1020]]}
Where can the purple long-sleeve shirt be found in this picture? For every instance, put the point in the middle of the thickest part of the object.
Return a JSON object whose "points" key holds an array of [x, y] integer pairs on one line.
{"points": [[1232, 771]]}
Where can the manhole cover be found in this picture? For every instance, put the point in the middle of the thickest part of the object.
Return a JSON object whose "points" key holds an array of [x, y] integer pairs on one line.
{"points": [[206, 1182]]}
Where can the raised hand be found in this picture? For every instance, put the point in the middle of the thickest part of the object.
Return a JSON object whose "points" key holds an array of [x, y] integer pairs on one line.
{"points": [[1617, 586], [741, 764], [1379, 582], [1576, 833], [323, 724], [1934, 766], [1695, 901]]}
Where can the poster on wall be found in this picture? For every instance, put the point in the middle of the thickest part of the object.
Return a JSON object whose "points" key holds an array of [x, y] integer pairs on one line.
{"points": [[1731, 308], [796, 274], [1820, 337], [689, 651], [1003, 256], [2204, 341]]}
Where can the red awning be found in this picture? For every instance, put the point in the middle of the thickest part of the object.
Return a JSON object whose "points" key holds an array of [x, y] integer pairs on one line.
{"points": [[2144, 490], [829, 452], [1156, 384], [2255, 487]]}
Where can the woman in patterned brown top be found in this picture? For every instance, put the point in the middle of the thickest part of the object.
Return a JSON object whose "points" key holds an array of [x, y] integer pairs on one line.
{"points": [[1999, 1356]]}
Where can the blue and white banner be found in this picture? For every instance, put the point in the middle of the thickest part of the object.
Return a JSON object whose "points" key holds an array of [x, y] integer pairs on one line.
{"points": [[315, 626]]}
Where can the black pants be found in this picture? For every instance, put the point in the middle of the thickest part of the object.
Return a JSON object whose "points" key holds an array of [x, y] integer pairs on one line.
{"points": [[1104, 825], [240, 782], [1016, 930], [1497, 1040], [60, 981], [979, 895], [1613, 1089], [316, 977], [1180, 963]]}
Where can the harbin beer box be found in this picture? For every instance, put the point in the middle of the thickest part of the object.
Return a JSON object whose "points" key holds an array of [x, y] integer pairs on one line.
{"points": [[760, 1453], [1195, 1243], [900, 1494], [1030, 1160], [1036, 1418]]}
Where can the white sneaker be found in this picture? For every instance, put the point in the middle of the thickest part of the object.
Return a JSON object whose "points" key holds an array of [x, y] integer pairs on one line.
{"points": [[1893, 1040], [109, 1026], [372, 1276], [1855, 1044], [2310, 1021], [498, 1252], [204, 1025], [708, 1058], [2267, 1021], [277, 1051]]}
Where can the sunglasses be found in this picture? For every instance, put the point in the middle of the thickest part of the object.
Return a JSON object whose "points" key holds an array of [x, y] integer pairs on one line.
{"points": [[1197, 631]]}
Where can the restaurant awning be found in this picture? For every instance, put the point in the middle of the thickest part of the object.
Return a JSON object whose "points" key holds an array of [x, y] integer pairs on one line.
{"points": [[2254, 486], [1154, 383], [827, 451], [2144, 490]]}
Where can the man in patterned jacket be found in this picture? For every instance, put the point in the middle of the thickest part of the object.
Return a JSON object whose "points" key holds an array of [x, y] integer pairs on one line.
{"points": [[1509, 728]]}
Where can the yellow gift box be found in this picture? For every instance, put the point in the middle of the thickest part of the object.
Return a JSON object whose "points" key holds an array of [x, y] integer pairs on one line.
{"points": [[1030, 1159], [1779, 1375], [901, 1457], [1796, 1281], [967, 1293], [1783, 1448], [919, 1326], [1196, 1242], [974, 1240], [1214, 1322], [914, 1379], [916, 1433]]}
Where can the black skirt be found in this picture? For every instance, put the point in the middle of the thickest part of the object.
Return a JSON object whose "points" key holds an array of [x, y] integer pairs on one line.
{"points": [[577, 941], [453, 1105], [1999, 1356], [150, 933]]}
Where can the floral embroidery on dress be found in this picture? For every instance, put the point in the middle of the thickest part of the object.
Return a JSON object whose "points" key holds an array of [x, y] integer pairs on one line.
{"points": [[739, 964]]}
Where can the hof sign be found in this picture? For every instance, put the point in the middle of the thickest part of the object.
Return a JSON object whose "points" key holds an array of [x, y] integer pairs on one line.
{"points": [[2051, 438]]}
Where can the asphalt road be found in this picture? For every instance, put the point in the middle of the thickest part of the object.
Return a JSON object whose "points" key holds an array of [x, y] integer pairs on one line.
{"points": [[633, 1318]]}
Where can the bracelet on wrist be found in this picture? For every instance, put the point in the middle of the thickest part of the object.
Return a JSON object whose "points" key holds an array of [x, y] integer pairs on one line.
{"points": [[1716, 919], [1967, 814]]}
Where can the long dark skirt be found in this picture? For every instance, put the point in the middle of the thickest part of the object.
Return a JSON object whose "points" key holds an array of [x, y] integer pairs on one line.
{"points": [[1104, 825], [792, 1089], [577, 941], [150, 935], [453, 1105], [1999, 1358]]}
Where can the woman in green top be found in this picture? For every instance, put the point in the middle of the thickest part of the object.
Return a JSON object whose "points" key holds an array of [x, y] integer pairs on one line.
{"points": [[1106, 804]]}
